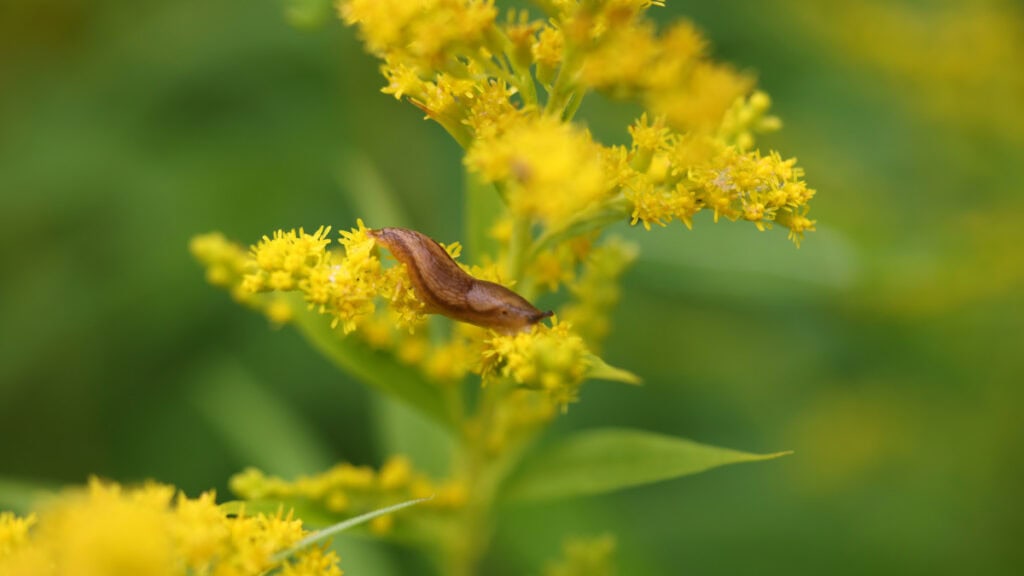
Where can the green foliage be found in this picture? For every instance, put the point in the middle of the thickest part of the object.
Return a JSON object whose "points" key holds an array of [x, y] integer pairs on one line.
{"points": [[374, 368], [884, 351], [605, 460]]}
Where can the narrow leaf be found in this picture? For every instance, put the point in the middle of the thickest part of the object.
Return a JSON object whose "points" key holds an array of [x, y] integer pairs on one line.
{"points": [[307, 13], [20, 496], [371, 195], [373, 367], [483, 208], [605, 460], [342, 526], [601, 370], [261, 428], [586, 221]]}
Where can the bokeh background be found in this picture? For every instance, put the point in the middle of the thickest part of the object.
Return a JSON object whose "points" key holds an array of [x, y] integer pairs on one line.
{"points": [[888, 351]]}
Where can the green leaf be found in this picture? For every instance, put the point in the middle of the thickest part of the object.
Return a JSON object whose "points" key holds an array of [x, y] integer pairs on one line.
{"points": [[483, 208], [373, 367], [307, 13], [342, 526], [601, 370], [605, 460], [371, 196], [20, 496], [616, 210], [262, 429], [736, 261], [400, 429]]}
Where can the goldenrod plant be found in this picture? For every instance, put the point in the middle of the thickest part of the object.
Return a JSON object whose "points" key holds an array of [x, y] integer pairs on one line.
{"points": [[543, 200]]}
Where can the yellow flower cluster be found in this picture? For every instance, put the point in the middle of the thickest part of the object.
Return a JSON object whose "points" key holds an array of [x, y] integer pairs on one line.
{"points": [[476, 77], [551, 169], [105, 529], [348, 490], [345, 287], [227, 264], [548, 358], [673, 176]]}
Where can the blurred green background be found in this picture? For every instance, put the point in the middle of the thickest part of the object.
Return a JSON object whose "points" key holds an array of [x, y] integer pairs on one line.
{"points": [[887, 351]]}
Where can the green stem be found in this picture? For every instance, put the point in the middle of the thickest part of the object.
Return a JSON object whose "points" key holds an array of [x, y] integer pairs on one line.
{"points": [[562, 91], [574, 104], [484, 472], [614, 210], [519, 250]]}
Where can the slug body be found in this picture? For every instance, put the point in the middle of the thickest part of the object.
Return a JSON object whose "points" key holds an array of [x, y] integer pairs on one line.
{"points": [[448, 290]]}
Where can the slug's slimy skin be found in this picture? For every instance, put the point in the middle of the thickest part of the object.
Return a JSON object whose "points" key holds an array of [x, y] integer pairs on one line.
{"points": [[447, 289]]}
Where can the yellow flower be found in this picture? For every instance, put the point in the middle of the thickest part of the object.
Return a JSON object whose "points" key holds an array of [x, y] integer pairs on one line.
{"points": [[313, 562], [548, 358], [552, 169], [13, 532], [105, 530], [349, 490], [425, 32], [344, 286], [286, 259]]}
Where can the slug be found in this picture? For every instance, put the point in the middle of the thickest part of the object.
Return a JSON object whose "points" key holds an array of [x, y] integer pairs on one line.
{"points": [[448, 290]]}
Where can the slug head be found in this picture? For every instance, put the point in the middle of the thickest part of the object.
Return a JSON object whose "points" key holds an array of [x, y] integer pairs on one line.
{"points": [[494, 306]]}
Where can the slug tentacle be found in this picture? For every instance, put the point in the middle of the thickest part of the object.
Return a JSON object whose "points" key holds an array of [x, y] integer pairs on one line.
{"points": [[445, 288]]}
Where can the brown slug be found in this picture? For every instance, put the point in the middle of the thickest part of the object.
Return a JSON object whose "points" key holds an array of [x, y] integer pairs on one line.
{"points": [[448, 290]]}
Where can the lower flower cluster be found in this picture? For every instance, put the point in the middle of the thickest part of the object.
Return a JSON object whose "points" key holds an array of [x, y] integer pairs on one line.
{"points": [[154, 530], [347, 490]]}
